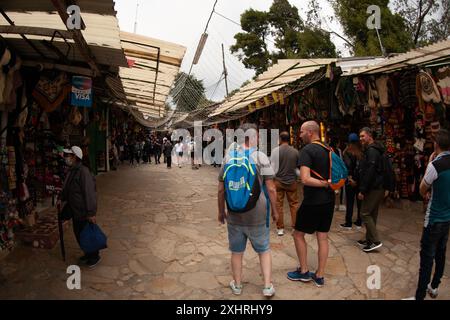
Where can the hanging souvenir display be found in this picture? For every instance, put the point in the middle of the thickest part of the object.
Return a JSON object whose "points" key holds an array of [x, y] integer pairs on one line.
{"points": [[51, 92], [13, 82], [407, 89], [382, 89], [9, 220], [427, 90], [443, 76], [5, 58]]}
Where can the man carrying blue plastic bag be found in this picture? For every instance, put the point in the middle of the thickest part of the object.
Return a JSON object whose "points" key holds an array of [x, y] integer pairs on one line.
{"points": [[79, 197]]}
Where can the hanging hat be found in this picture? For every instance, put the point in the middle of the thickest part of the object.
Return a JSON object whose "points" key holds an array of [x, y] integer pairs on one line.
{"points": [[430, 91], [6, 57]]}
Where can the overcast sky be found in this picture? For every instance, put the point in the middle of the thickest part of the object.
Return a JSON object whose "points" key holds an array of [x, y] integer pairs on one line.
{"points": [[183, 22]]}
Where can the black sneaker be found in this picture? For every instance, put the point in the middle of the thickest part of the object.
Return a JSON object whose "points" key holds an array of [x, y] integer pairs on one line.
{"points": [[346, 226], [91, 263], [358, 225], [319, 282], [362, 243], [372, 246]]}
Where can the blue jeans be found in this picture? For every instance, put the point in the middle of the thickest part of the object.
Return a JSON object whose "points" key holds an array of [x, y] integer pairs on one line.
{"points": [[259, 237], [433, 248]]}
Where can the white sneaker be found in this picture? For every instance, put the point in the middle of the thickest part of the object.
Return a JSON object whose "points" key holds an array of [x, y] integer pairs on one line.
{"points": [[237, 290], [280, 232], [269, 292], [432, 292]]}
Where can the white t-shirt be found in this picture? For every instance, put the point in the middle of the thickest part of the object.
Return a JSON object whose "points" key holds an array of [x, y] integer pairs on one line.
{"points": [[179, 147]]}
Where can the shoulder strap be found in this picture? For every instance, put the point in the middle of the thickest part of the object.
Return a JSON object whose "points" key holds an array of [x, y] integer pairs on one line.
{"points": [[322, 145], [330, 150]]}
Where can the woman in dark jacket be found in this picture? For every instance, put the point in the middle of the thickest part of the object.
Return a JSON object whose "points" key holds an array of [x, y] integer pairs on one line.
{"points": [[352, 156]]}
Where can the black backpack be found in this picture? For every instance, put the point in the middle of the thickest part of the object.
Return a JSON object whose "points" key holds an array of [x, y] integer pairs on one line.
{"points": [[388, 173], [386, 170]]}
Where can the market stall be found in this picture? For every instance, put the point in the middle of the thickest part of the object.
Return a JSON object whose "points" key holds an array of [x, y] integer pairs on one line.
{"points": [[52, 92]]}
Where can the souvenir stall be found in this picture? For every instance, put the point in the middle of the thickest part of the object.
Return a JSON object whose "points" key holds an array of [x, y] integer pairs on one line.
{"points": [[46, 116], [314, 103], [118, 125], [12, 101], [405, 108]]}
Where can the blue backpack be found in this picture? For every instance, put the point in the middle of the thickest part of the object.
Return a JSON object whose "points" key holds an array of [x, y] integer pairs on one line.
{"points": [[240, 176], [338, 170]]}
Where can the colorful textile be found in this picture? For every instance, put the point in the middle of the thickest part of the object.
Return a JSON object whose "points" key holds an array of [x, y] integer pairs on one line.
{"points": [[50, 93], [443, 75]]}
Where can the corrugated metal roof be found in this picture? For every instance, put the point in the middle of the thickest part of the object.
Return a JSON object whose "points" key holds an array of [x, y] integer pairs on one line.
{"points": [[276, 77], [96, 6], [101, 33], [416, 57], [154, 66], [285, 72]]}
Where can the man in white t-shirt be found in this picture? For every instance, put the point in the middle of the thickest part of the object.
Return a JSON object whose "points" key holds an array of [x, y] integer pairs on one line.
{"points": [[179, 151]]}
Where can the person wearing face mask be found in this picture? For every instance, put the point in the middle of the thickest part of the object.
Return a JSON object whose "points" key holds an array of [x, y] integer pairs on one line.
{"points": [[79, 197]]}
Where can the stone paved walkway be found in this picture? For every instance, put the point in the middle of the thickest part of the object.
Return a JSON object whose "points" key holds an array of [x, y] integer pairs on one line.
{"points": [[165, 243]]}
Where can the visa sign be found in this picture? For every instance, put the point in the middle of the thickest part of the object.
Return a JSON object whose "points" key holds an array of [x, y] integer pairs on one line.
{"points": [[81, 95]]}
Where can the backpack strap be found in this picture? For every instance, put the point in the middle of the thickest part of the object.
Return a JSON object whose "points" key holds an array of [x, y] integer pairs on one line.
{"points": [[330, 150]]}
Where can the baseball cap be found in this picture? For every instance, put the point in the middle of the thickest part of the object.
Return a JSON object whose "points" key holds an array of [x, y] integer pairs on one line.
{"points": [[353, 137], [76, 151]]}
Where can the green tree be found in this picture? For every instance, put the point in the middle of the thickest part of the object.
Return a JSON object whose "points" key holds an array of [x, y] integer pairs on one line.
{"points": [[251, 45], [292, 38], [188, 92], [352, 14], [426, 20], [286, 24], [316, 43]]}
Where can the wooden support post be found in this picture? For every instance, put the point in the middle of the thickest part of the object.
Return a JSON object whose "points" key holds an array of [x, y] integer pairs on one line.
{"points": [[77, 37]]}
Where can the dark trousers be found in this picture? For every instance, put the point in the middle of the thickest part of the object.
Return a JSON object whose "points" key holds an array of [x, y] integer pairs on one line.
{"points": [[433, 248], [78, 226], [369, 213], [169, 161], [157, 157], [351, 194]]}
